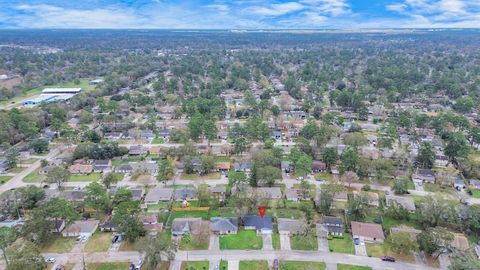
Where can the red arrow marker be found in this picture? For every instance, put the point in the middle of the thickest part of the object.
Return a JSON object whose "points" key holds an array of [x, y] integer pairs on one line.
{"points": [[261, 210]]}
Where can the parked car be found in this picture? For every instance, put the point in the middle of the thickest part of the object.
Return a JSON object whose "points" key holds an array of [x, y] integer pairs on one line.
{"points": [[50, 260], [60, 267], [388, 259], [139, 265], [356, 241], [114, 239], [275, 264], [131, 267]]}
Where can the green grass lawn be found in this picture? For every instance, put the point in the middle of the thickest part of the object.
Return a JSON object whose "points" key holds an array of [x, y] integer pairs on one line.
{"points": [[253, 265], [223, 265], [108, 266], [99, 242], [379, 250], [342, 245], [475, 193], [4, 178], [85, 178], [195, 265], [157, 140], [341, 266], [16, 170], [286, 213], [35, 177], [194, 176], [242, 240], [304, 243], [299, 265], [276, 241], [389, 222], [437, 188], [195, 243], [59, 244]]}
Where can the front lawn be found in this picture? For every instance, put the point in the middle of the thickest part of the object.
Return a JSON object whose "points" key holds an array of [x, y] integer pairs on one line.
{"points": [[276, 241], [16, 170], [223, 265], [158, 140], [342, 245], [195, 265], [250, 265], [341, 266], [300, 242], [59, 244], [379, 250], [299, 265], [195, 176], [242, 240], [194, 242], [108, 266], [475, 193], [85, 178], [4, 178], [99, 242], [34, 177]]}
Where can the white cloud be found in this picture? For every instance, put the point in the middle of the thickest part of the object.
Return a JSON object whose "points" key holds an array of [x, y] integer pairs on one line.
{"points": [[397, 7], [332, 7], [47, 16], [276, 9]]}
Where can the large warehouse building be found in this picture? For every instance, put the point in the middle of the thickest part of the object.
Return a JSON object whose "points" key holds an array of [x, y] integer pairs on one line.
{"points": [[51, 95]]}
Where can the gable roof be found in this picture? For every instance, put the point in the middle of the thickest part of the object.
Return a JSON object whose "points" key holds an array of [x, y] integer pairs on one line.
{"points": [[290, 225], [159, 194], [221, 224], [258, 222], [407, 203], [370, 230]]}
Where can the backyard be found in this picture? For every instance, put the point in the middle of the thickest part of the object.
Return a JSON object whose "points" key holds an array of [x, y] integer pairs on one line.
{"points": [[341, 245], [242, 240]]}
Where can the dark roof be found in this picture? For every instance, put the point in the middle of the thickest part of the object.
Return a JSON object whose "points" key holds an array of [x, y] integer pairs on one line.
{"points": [[258, 222], [332, 220], [219, 224]]}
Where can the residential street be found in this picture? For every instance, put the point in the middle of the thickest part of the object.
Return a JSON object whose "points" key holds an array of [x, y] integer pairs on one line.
{"points": [[239, 255]]}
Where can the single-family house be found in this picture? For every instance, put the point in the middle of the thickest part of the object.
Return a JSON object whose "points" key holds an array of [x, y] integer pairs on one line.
{"points": [[81, 228], [151, 224], [155, 195], [124, 168], [277, 134], [222, 167], [368, 232], [222, 225], [137, 150], [218, 192], [193, 226], [73, 195], [270, 193], [262, 225], [441, 161], [405, 202], [106, 225], [459, 183], [81, 169], [289, 226], [373, 198], [164, 134], [58, 225], [296, 195], [286, 166], [45, 170], [102, 165], [423, 176], [318, 166], [460, 242], [243, 167], [474, 183], [186, 193], [334, 225], [147, 167]]}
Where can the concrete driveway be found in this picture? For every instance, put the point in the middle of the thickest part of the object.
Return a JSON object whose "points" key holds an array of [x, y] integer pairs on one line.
{"points": [[322, 238], [285, 242], [267, 242], [214, 242], [360, 250]]}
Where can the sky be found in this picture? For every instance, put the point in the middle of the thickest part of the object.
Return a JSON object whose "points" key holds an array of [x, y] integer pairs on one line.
{"points": [[240, 14]]}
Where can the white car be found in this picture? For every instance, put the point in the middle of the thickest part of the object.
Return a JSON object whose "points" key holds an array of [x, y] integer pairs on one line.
{"points": [[50, 260], [139, 265]]}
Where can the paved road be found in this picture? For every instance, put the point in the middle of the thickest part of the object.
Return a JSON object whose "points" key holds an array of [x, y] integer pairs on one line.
{"points": [[16, 181], [238, 255]]}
